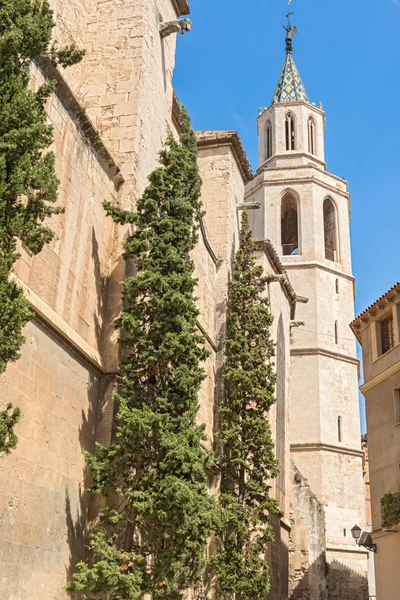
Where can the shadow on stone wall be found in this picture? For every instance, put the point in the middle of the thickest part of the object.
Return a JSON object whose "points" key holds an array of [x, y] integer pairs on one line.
{"points": [[342, 583], [345, 584], [78, 502], [311, 586], [81, 509]]}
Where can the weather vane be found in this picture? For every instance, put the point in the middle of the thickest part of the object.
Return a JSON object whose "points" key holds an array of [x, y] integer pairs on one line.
{"points": [[289, 30]]}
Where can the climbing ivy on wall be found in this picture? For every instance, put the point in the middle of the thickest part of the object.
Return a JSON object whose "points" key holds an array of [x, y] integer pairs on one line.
{"points": [[152, 535], [28, 183], [390, 510], [248, 462]]}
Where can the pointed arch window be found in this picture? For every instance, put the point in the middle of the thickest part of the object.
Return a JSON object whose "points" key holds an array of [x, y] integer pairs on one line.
{"points": [[312, 140], [289, 226], [268, 140], [290, 132], [330, 233]]}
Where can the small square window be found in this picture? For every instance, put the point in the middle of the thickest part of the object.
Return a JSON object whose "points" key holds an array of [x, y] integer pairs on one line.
{"points": [[397, 406], [387, 334]]}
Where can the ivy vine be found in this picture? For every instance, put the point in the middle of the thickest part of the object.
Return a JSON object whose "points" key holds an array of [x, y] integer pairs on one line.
{"points": [[390, 510]]}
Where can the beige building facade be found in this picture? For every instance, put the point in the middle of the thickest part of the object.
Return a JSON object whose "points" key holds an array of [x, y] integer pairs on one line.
{"points": [[111, 114], [378, 331]]}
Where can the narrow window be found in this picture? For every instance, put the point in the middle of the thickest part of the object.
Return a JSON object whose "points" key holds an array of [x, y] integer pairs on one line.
{"points": [[289, 226], [397, 406], [387, 334], [337, 286], [268, 140], [330, 230], [339, 424], [289, 131], [336, 332], [344, 532], [311, 136]]}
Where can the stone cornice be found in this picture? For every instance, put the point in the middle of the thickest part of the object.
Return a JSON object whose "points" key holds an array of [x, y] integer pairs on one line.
{"points": [[217, 261], [326, 447], [83, 121], [368, 385], [346, 550], [215, 139], [181, 7], [318, 265], [293, 154], [322, 352], [287, 181], [290, 104], [60, 328]]}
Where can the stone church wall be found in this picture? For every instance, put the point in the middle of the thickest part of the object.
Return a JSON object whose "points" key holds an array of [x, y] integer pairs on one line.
{"points": [[42, 502], [65, 375]]}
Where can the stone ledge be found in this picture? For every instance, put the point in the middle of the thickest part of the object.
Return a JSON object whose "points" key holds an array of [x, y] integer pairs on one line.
{"points": [[322, 352], [203, 228], [294, 181], [64, 331], [347, 550], [318, 265], [326, 447]]}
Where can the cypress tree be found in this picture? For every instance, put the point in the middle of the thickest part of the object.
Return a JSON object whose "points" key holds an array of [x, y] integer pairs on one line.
{"points": [[28, 183], [152, 538], [248, 462]]}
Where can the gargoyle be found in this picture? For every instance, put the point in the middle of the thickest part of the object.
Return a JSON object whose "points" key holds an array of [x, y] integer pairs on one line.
{"points": [[178, 26]]}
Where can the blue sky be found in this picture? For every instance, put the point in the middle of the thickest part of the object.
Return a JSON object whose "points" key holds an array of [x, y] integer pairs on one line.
{"points": [[347, 53]]}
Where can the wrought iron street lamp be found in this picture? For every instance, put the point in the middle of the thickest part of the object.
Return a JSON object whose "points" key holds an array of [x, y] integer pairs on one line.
{"points": [[363, 538]]}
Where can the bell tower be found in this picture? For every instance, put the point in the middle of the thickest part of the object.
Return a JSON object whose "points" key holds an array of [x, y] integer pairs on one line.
{"points": [[305, 212]]}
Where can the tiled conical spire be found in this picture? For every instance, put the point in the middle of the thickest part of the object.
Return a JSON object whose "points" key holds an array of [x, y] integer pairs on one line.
{"points": [[290, 88]]}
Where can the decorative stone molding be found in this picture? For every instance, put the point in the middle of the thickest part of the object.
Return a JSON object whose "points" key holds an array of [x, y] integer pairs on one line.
{"points": [[328, 353], [57, 325], [327, 447]]}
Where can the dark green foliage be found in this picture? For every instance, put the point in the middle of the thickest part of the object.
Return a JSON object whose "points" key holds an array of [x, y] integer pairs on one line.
{"points": [[248, 462], [390, 510], [156, 466], [28, 184], [8, 419]]}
